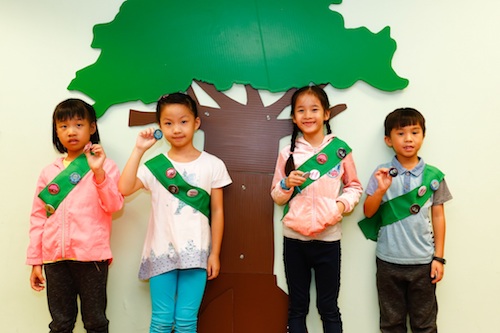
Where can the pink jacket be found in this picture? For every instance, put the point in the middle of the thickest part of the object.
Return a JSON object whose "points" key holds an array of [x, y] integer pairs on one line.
{"points": [[80, 228], [313, 214]]}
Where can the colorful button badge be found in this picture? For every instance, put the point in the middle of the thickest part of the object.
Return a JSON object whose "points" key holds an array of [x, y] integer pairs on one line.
{"points": [[341, 153], [192, 193], [414, 209], [321, 158], [173, 189], [171, 173], [434, 184], [74, 178], [393, 172], [53, 189], [49, 209], [421, 190], [158, 134]]}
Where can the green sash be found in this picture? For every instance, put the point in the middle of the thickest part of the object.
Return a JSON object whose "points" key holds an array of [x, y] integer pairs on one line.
{"points": [[57, 190], [398, 208], [195, 197], [331, 151]]}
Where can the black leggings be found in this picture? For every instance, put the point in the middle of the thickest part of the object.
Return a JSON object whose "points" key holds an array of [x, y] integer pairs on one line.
{"points": [[68, 279], [300, 258]]}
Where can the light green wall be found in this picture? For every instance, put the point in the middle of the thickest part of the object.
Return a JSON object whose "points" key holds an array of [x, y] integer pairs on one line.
{"points": [[448, 49]]}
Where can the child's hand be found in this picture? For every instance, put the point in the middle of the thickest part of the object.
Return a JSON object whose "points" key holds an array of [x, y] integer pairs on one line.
{"points": [[95, 158], [213, 266], [437, 271], [145, 139], [36, 279], [384, 179], [295, 178]]}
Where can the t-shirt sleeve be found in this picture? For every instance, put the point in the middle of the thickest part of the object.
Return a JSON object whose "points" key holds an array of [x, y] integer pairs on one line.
{"points": [[221, 175], [442, 194]]}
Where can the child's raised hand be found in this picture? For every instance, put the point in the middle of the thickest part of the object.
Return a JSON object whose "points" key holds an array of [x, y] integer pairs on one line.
{"points": [[145, 139], [384, 179], [296, 178], [36, 279], [95, 158]]}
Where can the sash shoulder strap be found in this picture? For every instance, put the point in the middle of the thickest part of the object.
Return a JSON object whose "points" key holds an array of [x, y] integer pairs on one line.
{"points": [[330, 156], [59, 188], [318, 165], [404, 205], [163, 170]]}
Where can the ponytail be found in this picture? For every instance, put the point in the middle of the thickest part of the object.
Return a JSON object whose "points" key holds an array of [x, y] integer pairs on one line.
{"points": [[290, 164], [328, 128]]}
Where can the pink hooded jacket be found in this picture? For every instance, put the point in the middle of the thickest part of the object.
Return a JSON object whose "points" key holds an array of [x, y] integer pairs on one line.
{"points": [[80, 228], [313, 214]]}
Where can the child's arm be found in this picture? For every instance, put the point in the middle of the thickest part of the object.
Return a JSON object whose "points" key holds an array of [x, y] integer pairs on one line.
{"points": [[372, 202], [352, 189], [106, 176], [439, 228], [129, 183], [37, 280], [282, 194], [217, 227]]}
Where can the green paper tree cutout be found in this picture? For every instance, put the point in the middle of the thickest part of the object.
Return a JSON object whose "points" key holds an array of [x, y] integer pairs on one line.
{"points": [[153, 47]]}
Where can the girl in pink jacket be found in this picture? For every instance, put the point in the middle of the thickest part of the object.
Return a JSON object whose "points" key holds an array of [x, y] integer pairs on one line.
{"points": [[316, 180], [71, 221]]}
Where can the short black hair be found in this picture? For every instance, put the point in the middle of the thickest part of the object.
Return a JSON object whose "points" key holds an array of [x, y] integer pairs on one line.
{"points": [[403, 117], [68, 109]]}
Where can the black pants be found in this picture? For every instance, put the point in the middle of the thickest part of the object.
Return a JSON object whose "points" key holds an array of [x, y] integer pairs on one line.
{"points": [[66, 280], [406, 290], [300, 259]]}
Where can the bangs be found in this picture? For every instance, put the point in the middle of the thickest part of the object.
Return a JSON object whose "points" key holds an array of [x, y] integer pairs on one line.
{"points": [[406, 120], [71, 110]]}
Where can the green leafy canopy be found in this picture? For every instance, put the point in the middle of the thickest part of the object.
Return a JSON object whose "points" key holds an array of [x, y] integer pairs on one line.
{"points": [[153, 47]]}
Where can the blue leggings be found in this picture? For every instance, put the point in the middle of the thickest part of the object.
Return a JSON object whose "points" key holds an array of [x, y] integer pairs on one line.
{"points": [[176, 298]]}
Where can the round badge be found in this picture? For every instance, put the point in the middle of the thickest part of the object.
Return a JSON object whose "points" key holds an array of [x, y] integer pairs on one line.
{"points": [[314, 174], [421, 190], [414, 209], [53, 188], [341, 153], [171, 173], [158, 134], [74, 178], [393, 172], [49, 209], [322, 158], [192, 193], [173, 189], [434, 184]]}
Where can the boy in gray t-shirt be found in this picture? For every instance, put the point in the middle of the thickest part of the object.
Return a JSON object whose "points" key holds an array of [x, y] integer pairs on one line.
{"points": [[405, 213]]}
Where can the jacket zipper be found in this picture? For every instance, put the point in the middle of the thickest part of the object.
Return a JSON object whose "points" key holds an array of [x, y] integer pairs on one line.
{"points": [[63, 230]]}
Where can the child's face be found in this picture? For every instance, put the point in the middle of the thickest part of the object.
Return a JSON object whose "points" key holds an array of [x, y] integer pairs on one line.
{"points": [[74, 134], [309, 115], [178, 125], [406, 141]]}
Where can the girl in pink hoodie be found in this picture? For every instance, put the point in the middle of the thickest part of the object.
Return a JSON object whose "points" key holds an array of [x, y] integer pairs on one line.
{"points": [[71, 221], [316, 180]]}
